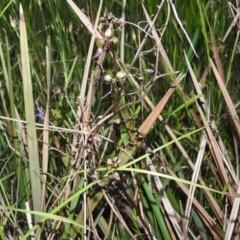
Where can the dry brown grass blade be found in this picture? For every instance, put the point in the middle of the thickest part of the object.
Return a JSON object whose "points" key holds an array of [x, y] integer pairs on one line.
{"points": [[87, 107], [194, 179], [216, 53], [217, 58], [84, 19], [98, 71], [236, 154], [151, 119], [233, 217], [227, 99], [227, 160]]}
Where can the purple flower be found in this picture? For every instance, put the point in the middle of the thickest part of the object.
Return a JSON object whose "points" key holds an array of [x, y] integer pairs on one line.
{"points": [[96, 142], [40, 113], [98, 53]]}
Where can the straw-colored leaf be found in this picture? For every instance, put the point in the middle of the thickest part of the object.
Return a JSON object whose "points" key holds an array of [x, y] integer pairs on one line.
{"points": [[227, 98]]}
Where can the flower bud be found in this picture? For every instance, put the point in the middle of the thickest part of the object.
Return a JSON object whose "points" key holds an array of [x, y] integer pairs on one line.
{"points": [[96, 142], [149, 70], [98, 53]]}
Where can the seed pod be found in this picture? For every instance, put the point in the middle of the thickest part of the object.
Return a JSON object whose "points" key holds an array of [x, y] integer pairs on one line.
{"points": [[120, 75], [107, 78], [114, 40]]}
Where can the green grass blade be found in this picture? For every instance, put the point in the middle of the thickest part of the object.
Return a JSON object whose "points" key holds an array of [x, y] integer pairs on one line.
{"points": [[30, 118], [156, 210]]}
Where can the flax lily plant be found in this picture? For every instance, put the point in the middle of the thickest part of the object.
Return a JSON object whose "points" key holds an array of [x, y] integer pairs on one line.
{"points": [[112, 132]]}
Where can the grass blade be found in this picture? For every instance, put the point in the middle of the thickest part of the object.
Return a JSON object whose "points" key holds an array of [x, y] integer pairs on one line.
{"points": [[30, 118], [227, 98]]}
